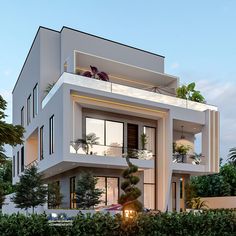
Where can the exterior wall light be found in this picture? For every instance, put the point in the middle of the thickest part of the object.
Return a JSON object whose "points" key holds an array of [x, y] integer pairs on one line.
{"points": [[129, 214]]}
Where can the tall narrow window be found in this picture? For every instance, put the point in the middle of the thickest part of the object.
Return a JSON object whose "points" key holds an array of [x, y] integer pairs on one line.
{"points": [[28, 109], [41, 142], [22, 159], [72, 193], [14, 166], [22, 117], [35, 100], [149, 175], [51, 135], [18, 163]]}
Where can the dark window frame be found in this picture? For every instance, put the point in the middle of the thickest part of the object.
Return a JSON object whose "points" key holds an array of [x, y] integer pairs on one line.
{"points": [[22, 116], [18, 163], [22, 159], [35, 101], [72, 192], [14, 166], [29, 109], [51, 135], [41, 140]]}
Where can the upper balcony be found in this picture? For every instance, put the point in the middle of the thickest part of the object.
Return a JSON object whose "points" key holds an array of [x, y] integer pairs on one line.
{"points": [[124, 90]]}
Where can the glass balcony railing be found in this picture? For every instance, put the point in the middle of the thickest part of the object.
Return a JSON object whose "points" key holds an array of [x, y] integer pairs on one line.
{"points": [[188, 158], [111, 151], [104, 86]]}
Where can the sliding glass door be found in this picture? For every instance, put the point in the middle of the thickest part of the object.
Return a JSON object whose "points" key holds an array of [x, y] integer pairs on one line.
{"points": [[110, 187]]}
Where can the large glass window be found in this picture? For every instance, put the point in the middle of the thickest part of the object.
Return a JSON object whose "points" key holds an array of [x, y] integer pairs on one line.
{"points": [[72, 193], [35, 100], [51, 135], [22, 116], [110, 187], [41, 135], [29, 109], [22, 159], [110, 136]]}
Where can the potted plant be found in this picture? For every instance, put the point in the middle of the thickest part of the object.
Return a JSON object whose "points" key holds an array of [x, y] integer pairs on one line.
{"points": [[86, 143], [96, 74], [180, 151], [144, 153], [188, 92]]}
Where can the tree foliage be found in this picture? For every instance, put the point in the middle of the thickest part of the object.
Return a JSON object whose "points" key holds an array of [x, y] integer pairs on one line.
{"points": [[54, 195], [30, 190], [232, 155], [188, 92], [222, 184], [87, 195], [129, 199], [9, 134]]}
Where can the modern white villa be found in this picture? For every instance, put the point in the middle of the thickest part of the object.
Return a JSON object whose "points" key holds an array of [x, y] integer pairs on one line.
{"points": [[133, 99]]}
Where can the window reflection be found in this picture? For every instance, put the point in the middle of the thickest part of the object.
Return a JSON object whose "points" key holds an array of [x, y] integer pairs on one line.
{"points": [[110, 187], [110, 135]]}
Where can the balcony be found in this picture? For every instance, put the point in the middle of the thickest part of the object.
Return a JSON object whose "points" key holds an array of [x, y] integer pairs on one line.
{"points": [[112, 151], [108, 87]]}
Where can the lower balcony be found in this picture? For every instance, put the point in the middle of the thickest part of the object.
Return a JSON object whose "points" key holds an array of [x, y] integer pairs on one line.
{"points": [[111, 156]]}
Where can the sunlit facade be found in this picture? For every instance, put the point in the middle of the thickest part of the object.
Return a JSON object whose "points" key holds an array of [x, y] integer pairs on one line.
{"points": [[76, 123]]}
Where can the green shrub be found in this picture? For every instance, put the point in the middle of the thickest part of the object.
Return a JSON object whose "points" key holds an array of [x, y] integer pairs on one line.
{"points": [[208, 222]]}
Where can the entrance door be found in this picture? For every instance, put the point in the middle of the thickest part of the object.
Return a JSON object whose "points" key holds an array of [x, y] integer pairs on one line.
{"points": [[132, 136]]}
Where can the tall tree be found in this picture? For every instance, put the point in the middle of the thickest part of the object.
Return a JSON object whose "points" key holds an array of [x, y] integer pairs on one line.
{"points": [[232, 155], [9, 134], [54, 195], [30, 190], [129, 199], [87, 195]]}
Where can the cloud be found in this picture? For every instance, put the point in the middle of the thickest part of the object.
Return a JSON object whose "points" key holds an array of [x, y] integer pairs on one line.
{"points": [[7, 72], [223, 95], [174, 65]]}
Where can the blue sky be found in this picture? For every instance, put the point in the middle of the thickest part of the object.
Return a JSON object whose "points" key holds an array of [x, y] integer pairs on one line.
{"points": [[198, 39]]}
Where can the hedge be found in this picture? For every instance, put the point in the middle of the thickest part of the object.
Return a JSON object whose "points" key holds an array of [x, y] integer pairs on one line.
{"points": [[209, 223]]}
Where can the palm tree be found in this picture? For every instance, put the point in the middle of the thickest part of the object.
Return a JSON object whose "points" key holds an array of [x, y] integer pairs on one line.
{"points": [[197, 203], [232, 155], [86, 143]]}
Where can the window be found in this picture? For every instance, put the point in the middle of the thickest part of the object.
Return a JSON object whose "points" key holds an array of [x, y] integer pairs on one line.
{"points": [[151, 138], [149, 175], [110, 187], [41, 140], [110, 134], [51, 135], [14, 166], [22, 122], [28, 109], [18, 163], [35, 100], [22, 159], [72, 193]]}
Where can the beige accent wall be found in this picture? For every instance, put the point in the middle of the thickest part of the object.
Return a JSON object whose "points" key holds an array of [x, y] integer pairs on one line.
{"points": [[210, 141], [220, 202]]}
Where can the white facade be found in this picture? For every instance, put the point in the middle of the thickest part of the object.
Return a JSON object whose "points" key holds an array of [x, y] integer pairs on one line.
{"points": [[118, 112]]}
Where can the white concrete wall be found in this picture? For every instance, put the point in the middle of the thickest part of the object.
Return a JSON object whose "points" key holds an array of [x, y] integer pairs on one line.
{"points": [[72, 40], [9, 207]]}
